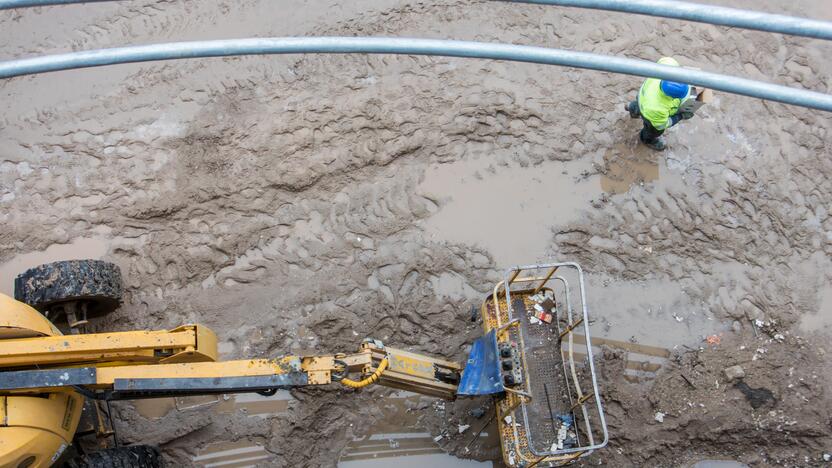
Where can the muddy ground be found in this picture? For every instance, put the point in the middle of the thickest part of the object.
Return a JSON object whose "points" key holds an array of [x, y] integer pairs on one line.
{"points": [[302, 203]]}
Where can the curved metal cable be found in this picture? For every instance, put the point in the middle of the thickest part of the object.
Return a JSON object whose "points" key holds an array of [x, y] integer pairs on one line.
{"points": [[712, 14], [386, 45]]}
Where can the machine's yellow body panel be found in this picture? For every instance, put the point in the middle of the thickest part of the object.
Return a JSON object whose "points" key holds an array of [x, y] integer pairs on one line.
{"points": [[39, 427], [20, 444], [18, 320], [33, 426], [189, 343]]}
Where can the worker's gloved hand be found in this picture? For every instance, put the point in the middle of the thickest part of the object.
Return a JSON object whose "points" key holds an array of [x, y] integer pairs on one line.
{"points": [[686, 115]]}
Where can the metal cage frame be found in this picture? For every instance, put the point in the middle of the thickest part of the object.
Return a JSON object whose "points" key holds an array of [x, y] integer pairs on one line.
{"points": [[521, 440]]}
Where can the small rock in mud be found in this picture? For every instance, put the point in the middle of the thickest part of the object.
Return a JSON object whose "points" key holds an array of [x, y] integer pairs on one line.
{"points": [[734, 372]]}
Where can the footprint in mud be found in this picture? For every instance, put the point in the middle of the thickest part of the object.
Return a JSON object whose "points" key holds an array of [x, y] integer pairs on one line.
{"points": [[627, 164]]}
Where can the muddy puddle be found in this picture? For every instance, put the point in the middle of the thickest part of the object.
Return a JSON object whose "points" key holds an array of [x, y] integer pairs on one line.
{"points": [[510, 210], [648, 320], [507, 209], [628, 164], [249, 404], [239, 454], [397, 440], [658, 313], [82, 248]]}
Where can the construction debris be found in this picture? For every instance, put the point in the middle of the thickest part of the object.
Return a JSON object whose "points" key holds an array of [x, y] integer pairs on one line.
{"points": [[543, 310]]}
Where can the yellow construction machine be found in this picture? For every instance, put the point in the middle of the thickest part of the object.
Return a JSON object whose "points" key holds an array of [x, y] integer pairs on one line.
{"points": [[548, 410]]}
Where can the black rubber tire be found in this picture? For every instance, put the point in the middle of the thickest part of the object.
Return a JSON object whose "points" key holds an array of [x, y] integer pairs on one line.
{"points": [[94, 281], [134, 456]]}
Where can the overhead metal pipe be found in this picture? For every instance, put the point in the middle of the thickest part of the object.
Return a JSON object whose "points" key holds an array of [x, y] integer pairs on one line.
{"points": [[9, 4], [407, 46], [711, 14]]}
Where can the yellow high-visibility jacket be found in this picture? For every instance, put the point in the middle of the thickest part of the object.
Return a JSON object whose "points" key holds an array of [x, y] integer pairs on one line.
{"points": [[656, 106]]}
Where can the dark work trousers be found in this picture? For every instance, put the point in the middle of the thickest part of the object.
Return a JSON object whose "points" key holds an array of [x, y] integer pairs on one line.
{"points": [[648, 134]]}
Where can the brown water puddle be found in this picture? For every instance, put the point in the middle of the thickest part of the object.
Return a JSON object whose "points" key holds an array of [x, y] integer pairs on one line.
{"points": [[155, 408], [647, 319], [238, 454], [510, 210], [626, 165], [398, 440], [81, 248], [491, 205], [654, 312], [250, 404]]}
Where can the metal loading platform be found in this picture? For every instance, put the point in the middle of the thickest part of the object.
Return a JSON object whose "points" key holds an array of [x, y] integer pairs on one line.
{"points": [[552, 413]]}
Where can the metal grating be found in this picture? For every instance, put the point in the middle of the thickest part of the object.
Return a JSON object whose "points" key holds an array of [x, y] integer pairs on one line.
{"points": [[548, 384]]}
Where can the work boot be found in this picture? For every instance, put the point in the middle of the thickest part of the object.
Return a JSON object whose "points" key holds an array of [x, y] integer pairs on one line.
{"points": [[657, 144], [632, 108]]}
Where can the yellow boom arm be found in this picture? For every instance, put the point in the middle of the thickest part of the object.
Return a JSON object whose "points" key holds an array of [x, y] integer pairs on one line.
{"points": [[45, 375], [182, 361]]}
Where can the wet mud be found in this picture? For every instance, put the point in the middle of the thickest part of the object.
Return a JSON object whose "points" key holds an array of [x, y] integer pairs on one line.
{"points": [[302, 203]]}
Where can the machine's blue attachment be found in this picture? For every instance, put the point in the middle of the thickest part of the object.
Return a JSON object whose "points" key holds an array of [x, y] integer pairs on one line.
{"points": [[482, 374]]}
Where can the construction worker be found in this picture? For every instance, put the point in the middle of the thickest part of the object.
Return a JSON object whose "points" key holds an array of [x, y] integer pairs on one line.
{"points": [[658, 104]]}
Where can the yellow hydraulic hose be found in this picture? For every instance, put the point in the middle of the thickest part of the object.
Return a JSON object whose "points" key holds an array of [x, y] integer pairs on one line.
{"points": [[369, 380]]}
